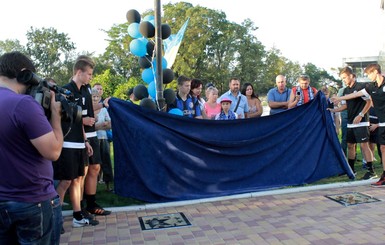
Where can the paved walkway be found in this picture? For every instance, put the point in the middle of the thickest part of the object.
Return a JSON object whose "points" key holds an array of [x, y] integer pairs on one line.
{"points": [[303, 216]]}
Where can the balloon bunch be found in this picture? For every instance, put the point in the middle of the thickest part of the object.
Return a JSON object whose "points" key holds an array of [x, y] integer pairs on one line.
{"points": [[142, 45]]}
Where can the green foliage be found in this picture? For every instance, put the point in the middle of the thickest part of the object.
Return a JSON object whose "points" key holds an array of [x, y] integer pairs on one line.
{"points": [[318, 77], [115, 85], [10, 45], [122, 89], [117, 57], [49, 50]]}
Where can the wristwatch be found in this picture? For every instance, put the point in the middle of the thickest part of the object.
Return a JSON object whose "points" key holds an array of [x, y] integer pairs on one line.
{"points": [[361, 114]]}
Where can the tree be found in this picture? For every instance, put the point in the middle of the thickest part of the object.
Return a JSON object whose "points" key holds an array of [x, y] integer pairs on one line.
{"points": [[117, 57], [50, 51], [318, 77], [213, 48], [109, 82], [10, 45], [250, 54]]}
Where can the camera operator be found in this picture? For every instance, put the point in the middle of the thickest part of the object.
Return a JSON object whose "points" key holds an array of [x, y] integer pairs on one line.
{"points": [[29, 205], [302, 93]]}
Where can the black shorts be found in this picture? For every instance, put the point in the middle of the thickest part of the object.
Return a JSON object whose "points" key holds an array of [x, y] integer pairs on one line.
{"points": [[70, 164], [373, 136], [95, 158], [381, 135], [358, 135]]}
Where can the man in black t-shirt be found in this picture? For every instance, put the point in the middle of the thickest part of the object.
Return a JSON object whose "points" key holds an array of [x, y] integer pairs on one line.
{"points": [[91, 177], [69, 168], [358, 121]]}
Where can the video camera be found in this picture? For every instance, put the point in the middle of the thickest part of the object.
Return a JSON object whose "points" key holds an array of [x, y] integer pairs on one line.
{"points": [[40, 90]]}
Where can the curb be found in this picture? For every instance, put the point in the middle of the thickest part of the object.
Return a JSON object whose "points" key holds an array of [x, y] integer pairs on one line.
{"points": [[238, 196]]}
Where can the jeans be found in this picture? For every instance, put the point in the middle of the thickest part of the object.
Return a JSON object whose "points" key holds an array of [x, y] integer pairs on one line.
{"points": [[57, 219], [29, 223]]}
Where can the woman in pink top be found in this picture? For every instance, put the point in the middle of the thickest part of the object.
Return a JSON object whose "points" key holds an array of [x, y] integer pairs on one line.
{"points": [[211, 107]]}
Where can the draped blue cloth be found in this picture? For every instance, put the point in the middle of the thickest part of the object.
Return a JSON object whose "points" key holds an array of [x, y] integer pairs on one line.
{"points": [[161, 157]]}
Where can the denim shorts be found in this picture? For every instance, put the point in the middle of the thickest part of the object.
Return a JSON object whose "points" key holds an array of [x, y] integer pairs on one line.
{"points": [[30, 223]]}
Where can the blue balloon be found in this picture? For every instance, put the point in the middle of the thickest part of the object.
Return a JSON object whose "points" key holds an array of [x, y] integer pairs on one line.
{"points": [[152, 89], [144, 40], [138, 47], [133, 30], [148, 18], [164, 63], [176, 111], [148, 75]]}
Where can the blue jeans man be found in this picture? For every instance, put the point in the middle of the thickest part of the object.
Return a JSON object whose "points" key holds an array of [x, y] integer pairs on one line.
{"points": [[30, 223]]}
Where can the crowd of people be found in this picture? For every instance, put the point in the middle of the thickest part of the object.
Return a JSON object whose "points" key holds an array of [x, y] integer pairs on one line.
{"points": [[44, 157], [243, 101]]}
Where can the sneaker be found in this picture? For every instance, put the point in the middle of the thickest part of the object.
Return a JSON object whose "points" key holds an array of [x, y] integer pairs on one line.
{"points": [[91, 217], [98, 210], [87, 214], [80, 223], [380, 182], [94, 222], [369, 175]]}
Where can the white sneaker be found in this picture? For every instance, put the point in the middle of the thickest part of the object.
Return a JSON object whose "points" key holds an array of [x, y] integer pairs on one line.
{"points": [[80, 223]]}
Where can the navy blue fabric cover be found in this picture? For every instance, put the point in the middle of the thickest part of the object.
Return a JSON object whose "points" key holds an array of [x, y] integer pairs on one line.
{"points": [[162, 157]]}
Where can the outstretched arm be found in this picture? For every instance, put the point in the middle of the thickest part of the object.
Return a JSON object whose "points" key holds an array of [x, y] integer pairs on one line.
{"points": [[360, 93]]}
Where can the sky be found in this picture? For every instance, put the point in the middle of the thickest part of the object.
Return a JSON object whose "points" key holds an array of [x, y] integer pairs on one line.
{"points": [[322, 32]]}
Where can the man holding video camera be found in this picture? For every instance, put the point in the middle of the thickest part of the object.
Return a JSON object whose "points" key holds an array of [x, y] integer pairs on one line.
{"points": [[29, 205], [302, 93]]}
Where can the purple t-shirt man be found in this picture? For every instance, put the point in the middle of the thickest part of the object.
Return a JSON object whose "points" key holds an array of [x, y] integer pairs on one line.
{"points": [[25, 176]]}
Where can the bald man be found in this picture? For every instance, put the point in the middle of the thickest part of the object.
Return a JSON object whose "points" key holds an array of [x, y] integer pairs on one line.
{"points": [[278, 97]]}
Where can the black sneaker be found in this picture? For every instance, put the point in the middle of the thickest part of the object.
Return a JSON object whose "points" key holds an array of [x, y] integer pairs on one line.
{"points": [[369, 175], [90, 217], [98, 210], [87, 214], [94, 222]]}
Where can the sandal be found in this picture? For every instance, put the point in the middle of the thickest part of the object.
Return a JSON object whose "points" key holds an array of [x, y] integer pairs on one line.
{"points": [[97, 210]]}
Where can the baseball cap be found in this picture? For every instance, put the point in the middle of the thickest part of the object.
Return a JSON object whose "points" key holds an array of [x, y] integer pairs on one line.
{"points": [[225, 99]]}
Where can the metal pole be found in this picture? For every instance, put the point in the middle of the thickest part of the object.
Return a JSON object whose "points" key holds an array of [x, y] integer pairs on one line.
{"points": [[158, 48]]}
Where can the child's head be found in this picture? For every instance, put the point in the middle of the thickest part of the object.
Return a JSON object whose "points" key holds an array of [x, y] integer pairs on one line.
{"points": [[225, 104]]}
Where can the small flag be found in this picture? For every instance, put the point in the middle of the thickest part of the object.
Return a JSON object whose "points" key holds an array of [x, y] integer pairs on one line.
{"points": [[172, 44]]}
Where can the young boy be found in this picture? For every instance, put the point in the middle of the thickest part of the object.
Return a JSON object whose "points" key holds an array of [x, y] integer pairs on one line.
{"points": [[226, 113]]}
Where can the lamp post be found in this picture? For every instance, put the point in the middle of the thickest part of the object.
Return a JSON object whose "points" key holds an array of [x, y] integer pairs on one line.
{"points": [[158, 52]]}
